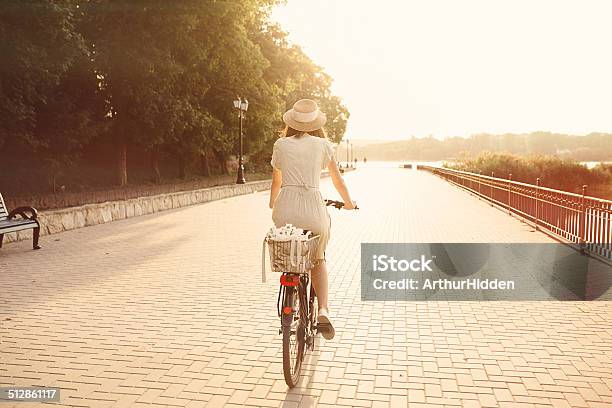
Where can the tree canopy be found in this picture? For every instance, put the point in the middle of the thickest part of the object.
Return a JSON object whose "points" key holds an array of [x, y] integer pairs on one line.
{"points": [[161, 75]]}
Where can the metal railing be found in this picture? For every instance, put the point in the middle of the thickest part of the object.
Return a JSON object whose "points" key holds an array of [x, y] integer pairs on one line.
{"points": [[576, 218]]}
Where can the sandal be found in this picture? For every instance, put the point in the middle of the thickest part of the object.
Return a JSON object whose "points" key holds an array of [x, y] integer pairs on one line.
{"points": [[325, 326]]}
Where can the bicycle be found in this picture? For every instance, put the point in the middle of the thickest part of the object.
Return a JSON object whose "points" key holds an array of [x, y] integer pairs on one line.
{"points": [[296, 307]]}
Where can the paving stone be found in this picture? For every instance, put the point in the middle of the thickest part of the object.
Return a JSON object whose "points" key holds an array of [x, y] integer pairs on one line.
{"points": [[169, 309]]}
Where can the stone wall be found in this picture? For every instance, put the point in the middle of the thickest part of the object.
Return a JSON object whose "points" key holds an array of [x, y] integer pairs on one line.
{"points": [[54, 221], [65, 219]]}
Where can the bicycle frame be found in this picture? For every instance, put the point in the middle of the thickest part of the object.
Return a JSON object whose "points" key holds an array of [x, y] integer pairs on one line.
{"points": [[286, 293], [298, 327]]}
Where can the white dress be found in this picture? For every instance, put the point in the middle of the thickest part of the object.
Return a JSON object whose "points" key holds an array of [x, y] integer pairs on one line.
{"points": [[301, 159]]}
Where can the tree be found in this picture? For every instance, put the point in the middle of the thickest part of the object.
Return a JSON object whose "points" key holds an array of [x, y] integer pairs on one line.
{"points": [[292, 75], [48, 102], [160, 75]]}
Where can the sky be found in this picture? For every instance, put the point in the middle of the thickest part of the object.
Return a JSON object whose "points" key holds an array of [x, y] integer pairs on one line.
{"points": [[459, 67]]}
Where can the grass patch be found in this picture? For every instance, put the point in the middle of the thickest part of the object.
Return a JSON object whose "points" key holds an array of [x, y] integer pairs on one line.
{"points": [[554, 172]]}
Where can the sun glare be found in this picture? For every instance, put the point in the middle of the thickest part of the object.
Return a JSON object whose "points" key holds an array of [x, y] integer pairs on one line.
{"points": [[454, 68]]}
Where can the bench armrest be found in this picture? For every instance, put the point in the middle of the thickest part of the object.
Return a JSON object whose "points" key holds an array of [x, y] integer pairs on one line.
{"points": [[23, 212]]}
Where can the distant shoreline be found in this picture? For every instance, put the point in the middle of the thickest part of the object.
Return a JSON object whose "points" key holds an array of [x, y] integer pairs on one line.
{"points": [[587, 164], [594, 147]]}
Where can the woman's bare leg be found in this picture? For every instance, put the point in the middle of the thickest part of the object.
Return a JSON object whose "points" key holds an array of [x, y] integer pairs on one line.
{"points": [[319, 281]]}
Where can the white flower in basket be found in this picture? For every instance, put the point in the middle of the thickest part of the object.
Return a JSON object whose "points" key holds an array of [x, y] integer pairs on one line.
{"points": [[290, 250]]}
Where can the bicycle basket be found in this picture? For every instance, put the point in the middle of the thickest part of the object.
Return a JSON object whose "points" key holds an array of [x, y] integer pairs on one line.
{"points": [[293, 256]]}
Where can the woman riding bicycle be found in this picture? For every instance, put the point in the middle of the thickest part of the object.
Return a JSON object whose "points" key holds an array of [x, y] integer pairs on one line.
{"points": [[298, 158]]}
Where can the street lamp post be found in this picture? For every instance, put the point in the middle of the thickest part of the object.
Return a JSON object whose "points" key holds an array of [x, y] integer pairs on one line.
{"points": [[347, 153], [242, 106]]}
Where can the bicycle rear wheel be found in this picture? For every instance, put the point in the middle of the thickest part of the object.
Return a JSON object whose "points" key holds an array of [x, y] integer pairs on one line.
{"points": [[293, 336]]}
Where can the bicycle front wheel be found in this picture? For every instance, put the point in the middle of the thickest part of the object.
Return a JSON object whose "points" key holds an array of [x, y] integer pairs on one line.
{"points": [[293, 337]]}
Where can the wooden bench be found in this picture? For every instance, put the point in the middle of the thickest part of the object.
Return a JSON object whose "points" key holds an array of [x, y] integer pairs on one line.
{"points": [[28, 220]]}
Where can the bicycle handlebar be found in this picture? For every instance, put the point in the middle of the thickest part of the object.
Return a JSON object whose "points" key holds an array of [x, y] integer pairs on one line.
{"points": [[337, 204]]}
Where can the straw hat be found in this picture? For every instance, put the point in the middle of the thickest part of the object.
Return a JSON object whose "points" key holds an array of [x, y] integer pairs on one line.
{"points": [[305, 116]]}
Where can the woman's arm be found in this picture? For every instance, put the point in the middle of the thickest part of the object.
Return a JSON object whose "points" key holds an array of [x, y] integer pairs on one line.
{"points": [[277, 181], [340, 185]]}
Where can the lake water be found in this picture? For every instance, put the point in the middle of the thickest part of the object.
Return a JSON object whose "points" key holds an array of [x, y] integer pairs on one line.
{"points": [[395, 164], [591, 164]]}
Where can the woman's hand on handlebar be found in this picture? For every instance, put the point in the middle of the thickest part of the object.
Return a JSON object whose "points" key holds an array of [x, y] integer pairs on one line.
{"points": [[340, 204], [351, 205]]}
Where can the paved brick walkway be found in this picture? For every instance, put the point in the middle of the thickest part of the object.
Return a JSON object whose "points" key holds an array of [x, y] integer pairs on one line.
{"points": [[168, 310]]}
